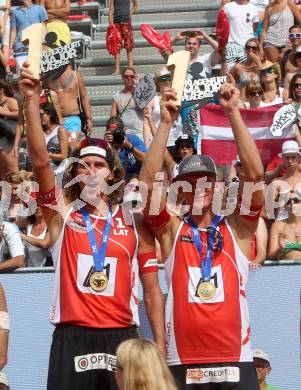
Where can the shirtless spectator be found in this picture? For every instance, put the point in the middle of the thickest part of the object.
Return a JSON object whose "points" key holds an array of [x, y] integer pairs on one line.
{"points": [[296, 62], [57, 11], [285, 236], [66, 87], [294, 36]]}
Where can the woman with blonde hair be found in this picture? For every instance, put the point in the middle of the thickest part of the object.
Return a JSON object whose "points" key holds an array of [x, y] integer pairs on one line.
{"points": [[141, 366]]}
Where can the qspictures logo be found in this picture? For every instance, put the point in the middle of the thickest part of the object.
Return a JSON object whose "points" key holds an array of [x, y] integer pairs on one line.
{"points": [[212, 374]]}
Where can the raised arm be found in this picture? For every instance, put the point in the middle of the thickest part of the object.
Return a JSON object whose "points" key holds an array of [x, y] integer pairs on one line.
{"points": [[248, 155], [152, 294], [31, 89], [158, 219]]}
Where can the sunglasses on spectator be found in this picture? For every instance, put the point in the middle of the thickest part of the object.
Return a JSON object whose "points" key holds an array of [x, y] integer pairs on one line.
{"points": [[165, 78], [297, 85], [294, 35], [267, 71], [255, 93], [129, 76], [248, 47], [295, 200]]}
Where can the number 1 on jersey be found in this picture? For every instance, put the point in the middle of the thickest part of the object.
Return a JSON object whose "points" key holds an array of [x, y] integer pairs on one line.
{"points": [[35, 35]]}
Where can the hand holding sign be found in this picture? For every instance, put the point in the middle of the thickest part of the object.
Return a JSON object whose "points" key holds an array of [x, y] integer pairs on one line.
{"points": [[284, 118], [145, 91], [34, 35], [178, 63], [28, 84]]}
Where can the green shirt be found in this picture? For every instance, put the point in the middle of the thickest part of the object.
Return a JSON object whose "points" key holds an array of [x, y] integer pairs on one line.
{"points": [[270, 387]]}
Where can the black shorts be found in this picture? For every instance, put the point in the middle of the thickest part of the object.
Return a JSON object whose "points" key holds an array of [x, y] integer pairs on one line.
{"points": [[85, 358], [216, 376]]}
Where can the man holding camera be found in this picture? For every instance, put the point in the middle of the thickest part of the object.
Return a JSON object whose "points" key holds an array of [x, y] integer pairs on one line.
{"points": [[130, 147]]}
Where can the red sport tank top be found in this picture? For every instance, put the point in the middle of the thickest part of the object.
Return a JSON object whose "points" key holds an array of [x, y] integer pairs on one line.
{"points": [[74, 301], [210, 331]]}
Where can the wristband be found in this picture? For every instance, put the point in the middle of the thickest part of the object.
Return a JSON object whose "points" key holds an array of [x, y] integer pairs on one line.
{"points": [[147, 262], [4, 320], [45, 199]]}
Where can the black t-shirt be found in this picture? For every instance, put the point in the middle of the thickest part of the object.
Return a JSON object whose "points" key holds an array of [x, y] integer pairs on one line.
{"points": [[122, 10]]}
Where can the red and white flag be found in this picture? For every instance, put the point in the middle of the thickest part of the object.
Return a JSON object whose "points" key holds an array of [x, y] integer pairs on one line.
{"points": [[217, 140]]}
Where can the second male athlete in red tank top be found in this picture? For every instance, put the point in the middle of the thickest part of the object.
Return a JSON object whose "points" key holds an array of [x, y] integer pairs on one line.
{"points": [[206, 262]]}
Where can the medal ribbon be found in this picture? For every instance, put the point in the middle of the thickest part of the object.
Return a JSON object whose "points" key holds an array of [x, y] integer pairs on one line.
{"points": [[206, 265], [98, 254]]}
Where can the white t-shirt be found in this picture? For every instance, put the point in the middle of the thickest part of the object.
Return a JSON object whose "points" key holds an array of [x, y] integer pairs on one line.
{"points": [[278, 99], [241, 19], [205, 60], [260, 4], [11, 241]]}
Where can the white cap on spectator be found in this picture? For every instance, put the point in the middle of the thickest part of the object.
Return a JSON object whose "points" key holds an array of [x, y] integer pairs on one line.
{"points": [[259, 353], [3, 378], [290, 147]]}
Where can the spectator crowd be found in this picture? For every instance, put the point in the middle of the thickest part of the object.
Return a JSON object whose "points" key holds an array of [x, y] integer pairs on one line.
{"points": [[262, 62]]}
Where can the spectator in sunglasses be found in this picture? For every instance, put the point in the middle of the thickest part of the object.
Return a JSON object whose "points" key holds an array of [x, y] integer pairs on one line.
{"points": [[124, 106], [296, 61], [152, 112], [247, 70], [278, 18], [285, 235], [294, 36], [254, 93], [270, 78]]}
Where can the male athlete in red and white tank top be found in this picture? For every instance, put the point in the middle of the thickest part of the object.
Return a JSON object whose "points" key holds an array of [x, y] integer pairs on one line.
{"points": [[206, 318], [95, 296]]}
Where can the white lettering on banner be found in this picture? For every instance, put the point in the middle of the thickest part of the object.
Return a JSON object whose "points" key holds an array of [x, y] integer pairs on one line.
{"points": [[214, 374], [60, 56], [195, 275], [85, 267], [202, 88], [95, 361]]}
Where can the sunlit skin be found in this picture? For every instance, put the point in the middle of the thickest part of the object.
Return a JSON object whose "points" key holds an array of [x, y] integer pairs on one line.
{"points": [[205, 197], [192, 45], [297, 89], [185, 151], [94, 165], [295, 41], [291, 161], [129, 80], [255, 100]]}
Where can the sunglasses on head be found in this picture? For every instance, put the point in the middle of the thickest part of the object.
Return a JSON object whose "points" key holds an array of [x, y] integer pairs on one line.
{"points": [[248, 47], [100, 143], [270, 70], [295, 200], [165, 78], [255, 93], [294, 35], [129, 76]]}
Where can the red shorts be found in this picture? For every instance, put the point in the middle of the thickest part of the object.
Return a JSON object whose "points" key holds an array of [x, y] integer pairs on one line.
{"points": [[126, 30]]}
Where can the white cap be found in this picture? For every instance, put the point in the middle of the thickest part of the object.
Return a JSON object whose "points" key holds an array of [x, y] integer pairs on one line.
{"points": [[290, 147], [259, 353], [3, 378]]}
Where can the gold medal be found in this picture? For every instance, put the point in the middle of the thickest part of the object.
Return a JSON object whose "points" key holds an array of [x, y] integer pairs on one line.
{"points": [[206, 291], [98, 281]]}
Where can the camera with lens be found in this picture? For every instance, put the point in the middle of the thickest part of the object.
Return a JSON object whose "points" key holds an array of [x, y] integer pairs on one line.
{"points": [[119, 136]]}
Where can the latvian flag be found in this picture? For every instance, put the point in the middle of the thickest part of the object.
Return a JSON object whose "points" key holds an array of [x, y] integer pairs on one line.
{"points": [[216, 136]]}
